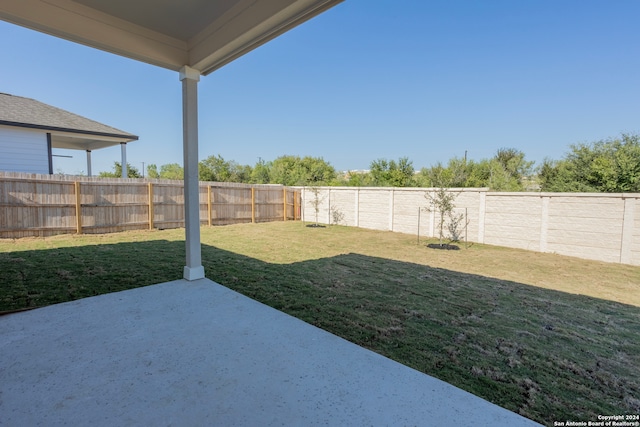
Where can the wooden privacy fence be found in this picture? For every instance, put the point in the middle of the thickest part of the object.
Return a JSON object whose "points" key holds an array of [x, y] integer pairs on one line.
{"points": [[43, 206]]}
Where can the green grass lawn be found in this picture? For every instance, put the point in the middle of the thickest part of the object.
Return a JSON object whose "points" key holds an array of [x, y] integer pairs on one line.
{"points": [[546, 336]]}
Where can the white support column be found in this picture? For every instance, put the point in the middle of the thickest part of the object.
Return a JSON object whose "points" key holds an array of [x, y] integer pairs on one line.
{"points": [[50, 153], [190, 77], [123, 152], [89, 163]]}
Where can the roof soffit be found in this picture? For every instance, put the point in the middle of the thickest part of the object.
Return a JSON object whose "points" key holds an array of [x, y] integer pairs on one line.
{"points": [[203, 34], [247, 26], [181, 20], [75, 22], [71, 141]]}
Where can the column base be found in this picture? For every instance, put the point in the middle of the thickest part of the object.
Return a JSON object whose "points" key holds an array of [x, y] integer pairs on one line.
{"points": [[193, 273]]}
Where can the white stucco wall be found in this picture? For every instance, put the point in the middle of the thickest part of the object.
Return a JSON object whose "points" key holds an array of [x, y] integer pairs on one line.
{"points": [[23, 150]]}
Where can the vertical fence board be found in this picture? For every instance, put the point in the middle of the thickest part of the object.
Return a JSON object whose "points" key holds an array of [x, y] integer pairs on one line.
{"points": [[44, 205], [594, 226], [150, 198], [78, 209]]}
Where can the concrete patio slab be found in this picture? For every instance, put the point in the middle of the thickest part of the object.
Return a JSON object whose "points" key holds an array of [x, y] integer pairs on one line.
{"points": [[198, 354]]}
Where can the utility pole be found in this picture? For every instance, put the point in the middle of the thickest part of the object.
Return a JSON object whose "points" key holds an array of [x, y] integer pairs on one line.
{"points": [[143, 169]]}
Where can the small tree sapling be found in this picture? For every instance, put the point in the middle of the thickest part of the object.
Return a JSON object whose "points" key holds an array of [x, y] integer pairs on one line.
{"points": [[316, 201]]}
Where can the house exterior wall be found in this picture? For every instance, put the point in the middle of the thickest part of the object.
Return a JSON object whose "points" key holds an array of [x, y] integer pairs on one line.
{"points": [[23, 150]]}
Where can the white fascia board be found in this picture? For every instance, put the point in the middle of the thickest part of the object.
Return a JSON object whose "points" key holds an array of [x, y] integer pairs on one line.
{"points": [[248, 26], [72, 21]]}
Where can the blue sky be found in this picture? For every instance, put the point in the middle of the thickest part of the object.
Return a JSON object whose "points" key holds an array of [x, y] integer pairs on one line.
{"points": [[363, 81]]}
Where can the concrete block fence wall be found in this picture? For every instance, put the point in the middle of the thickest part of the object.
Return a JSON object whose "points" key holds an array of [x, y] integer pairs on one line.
{"points": [[597, 226]]}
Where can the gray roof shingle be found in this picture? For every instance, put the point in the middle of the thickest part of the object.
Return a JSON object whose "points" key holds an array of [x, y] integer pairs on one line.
{"points": [[27, 112]]}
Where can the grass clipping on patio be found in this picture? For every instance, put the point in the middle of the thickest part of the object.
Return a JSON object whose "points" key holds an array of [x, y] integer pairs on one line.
{"points": [[546, 336]]}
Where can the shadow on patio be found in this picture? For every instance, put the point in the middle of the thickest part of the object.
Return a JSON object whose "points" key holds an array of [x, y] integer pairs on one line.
{"points": [[186, 353]]}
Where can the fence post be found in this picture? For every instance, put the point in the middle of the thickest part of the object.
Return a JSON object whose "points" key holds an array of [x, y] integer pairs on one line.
{"points": [[209, 205], [357, 208], [391, 202], [284, 203], [151, 206], [628, 218], [432, 219], [329, 207], [303, 203], [544, 223], [466, 225], [419, 224], [78, 209], [253, 205], [482, 209]]}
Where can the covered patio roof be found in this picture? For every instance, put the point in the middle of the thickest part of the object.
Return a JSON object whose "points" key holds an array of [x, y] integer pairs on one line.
{"points": [[192, 350], [202, 34], [194, 37]]}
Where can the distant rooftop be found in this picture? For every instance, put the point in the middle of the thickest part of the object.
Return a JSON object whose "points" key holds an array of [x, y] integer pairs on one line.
{"points": [[29, 113]]}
